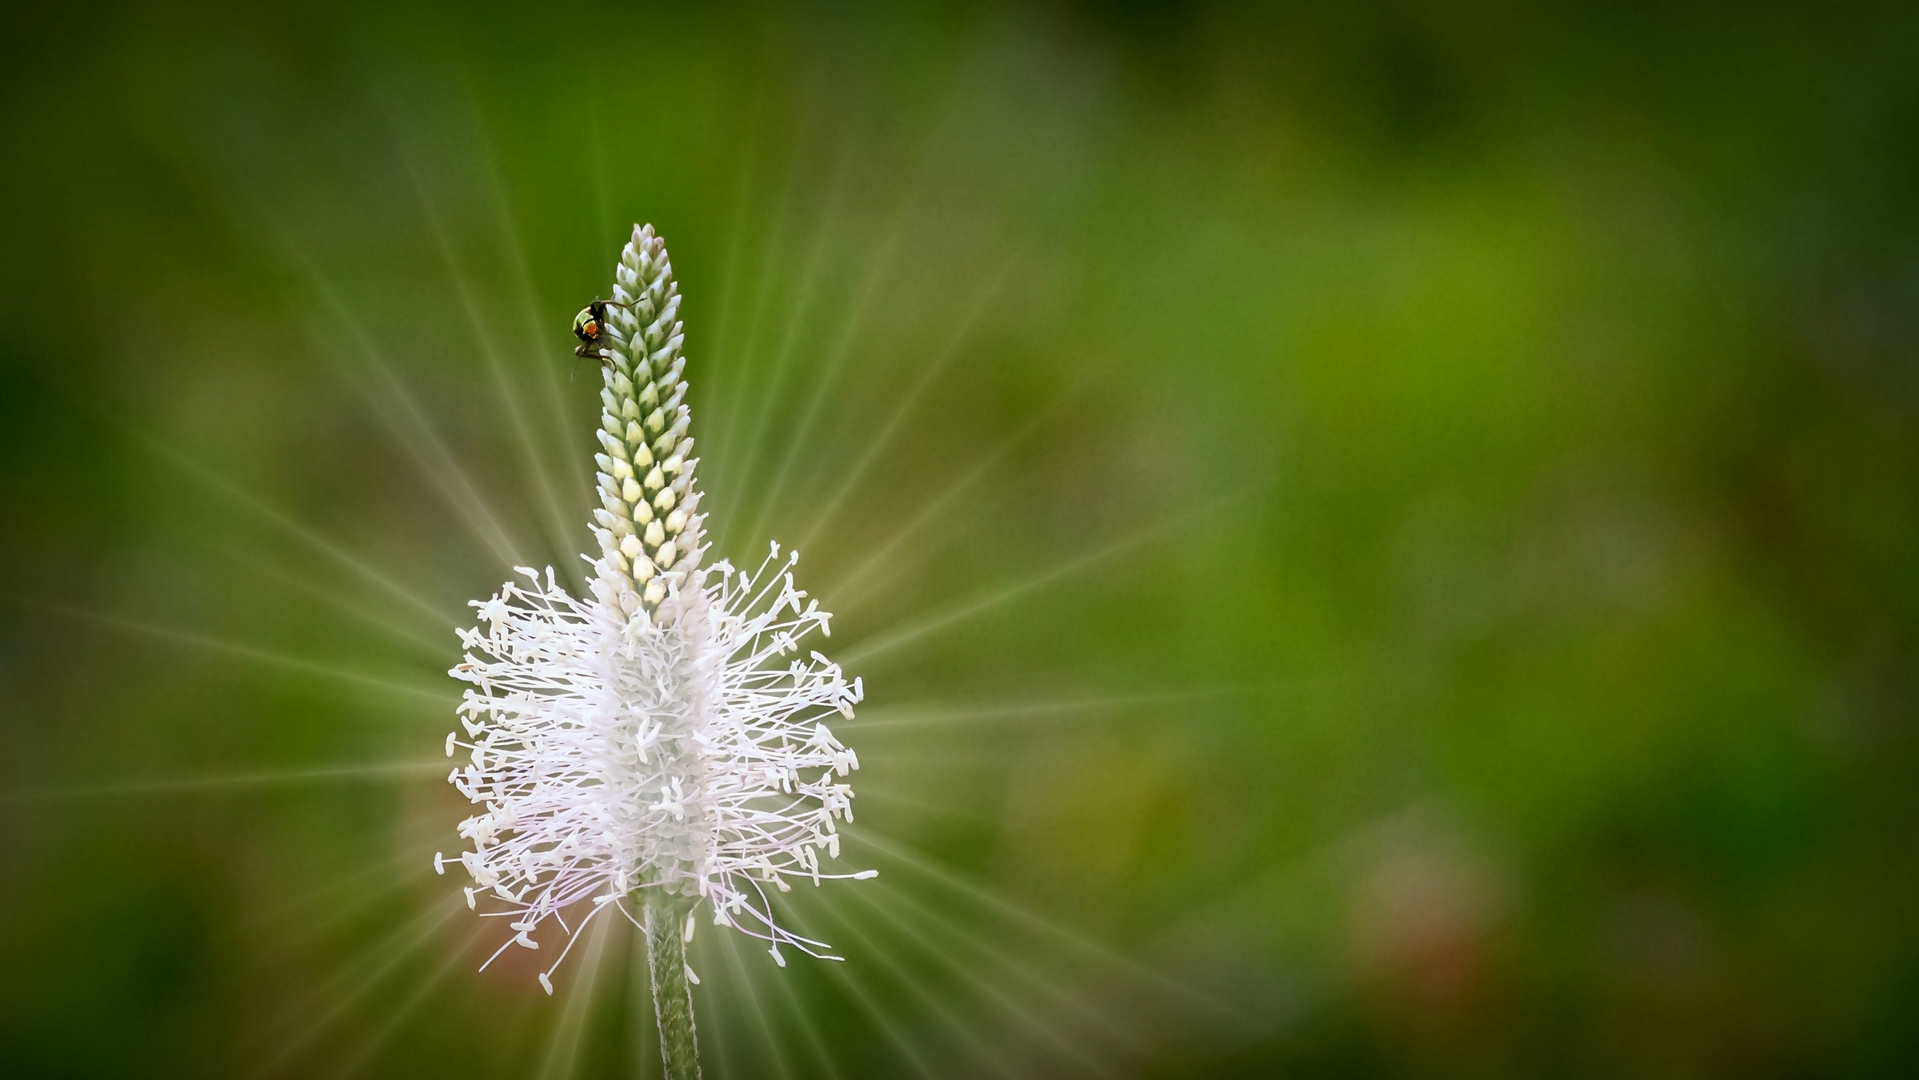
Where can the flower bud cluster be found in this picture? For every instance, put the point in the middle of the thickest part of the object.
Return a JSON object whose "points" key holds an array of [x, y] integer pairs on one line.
{"points": [[648, 523]]}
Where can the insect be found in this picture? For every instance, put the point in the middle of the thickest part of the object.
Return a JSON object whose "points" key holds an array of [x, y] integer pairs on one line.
{"points": [[587, 326]]}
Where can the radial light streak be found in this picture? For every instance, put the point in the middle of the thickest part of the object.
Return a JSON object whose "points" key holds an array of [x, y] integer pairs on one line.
{"points": [[408, 861], [712, 1030], [461, 493], [473, 508], [736, 400], [413, 934], [804, 1020], [950, 755], [1037, 708], [989, 992], [722, 434], [885, 796], [440, 618], [482, 336], [1058, 995], [860, 997], [842, 348], [836, 356], [934, 1006], [535, 326], [430, 646], [782, 360], [466, 500], [920, 627], [397, 771], [721, 358], [904, 854], [768, 1041], [905, 407], [392, 1018], [247, 652], [572, 1024], [940, 502]]}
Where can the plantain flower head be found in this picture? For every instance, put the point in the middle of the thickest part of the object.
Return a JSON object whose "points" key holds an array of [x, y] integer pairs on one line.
{"points": [[669, 730]]}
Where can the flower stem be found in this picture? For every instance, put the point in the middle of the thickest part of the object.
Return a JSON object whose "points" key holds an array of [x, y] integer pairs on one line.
{"points": [[666, 915]]}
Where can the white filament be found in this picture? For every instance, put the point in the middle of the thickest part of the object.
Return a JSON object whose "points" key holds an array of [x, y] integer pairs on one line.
{"points": [[682, 749]]}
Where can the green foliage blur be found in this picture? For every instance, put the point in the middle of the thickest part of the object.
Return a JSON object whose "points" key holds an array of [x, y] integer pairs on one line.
{"points": [[1381, 540]]}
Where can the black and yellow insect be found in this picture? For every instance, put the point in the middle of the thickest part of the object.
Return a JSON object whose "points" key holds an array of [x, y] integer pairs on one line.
{"points": [[588, 326]]}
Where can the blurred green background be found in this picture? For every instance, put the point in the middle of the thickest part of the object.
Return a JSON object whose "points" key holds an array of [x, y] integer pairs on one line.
{"points": [[1380, 540]]}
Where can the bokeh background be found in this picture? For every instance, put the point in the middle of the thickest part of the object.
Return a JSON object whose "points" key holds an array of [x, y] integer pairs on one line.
{"points": [[1381, 540]]}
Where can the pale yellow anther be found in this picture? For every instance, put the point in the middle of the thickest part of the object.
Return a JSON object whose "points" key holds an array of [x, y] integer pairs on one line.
{"points": [[655, 420], [654, 480], [631, 410], [664, 501], [655, 536], [666, 556], [642, 457], [655, 591], [676, 521], [643, 570], [642, 513], [630, 546], [673, 464], [622, 470], [636, 437], [631, 492]]}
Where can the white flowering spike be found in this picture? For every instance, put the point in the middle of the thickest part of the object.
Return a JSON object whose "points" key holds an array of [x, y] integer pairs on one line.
{"points": [[665, 737]]}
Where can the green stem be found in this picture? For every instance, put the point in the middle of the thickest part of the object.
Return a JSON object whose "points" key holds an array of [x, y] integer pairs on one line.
{"points": [[665, 916]]}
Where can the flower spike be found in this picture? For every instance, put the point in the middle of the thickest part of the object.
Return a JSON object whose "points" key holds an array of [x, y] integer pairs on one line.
{"points": [[662, 741]]}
